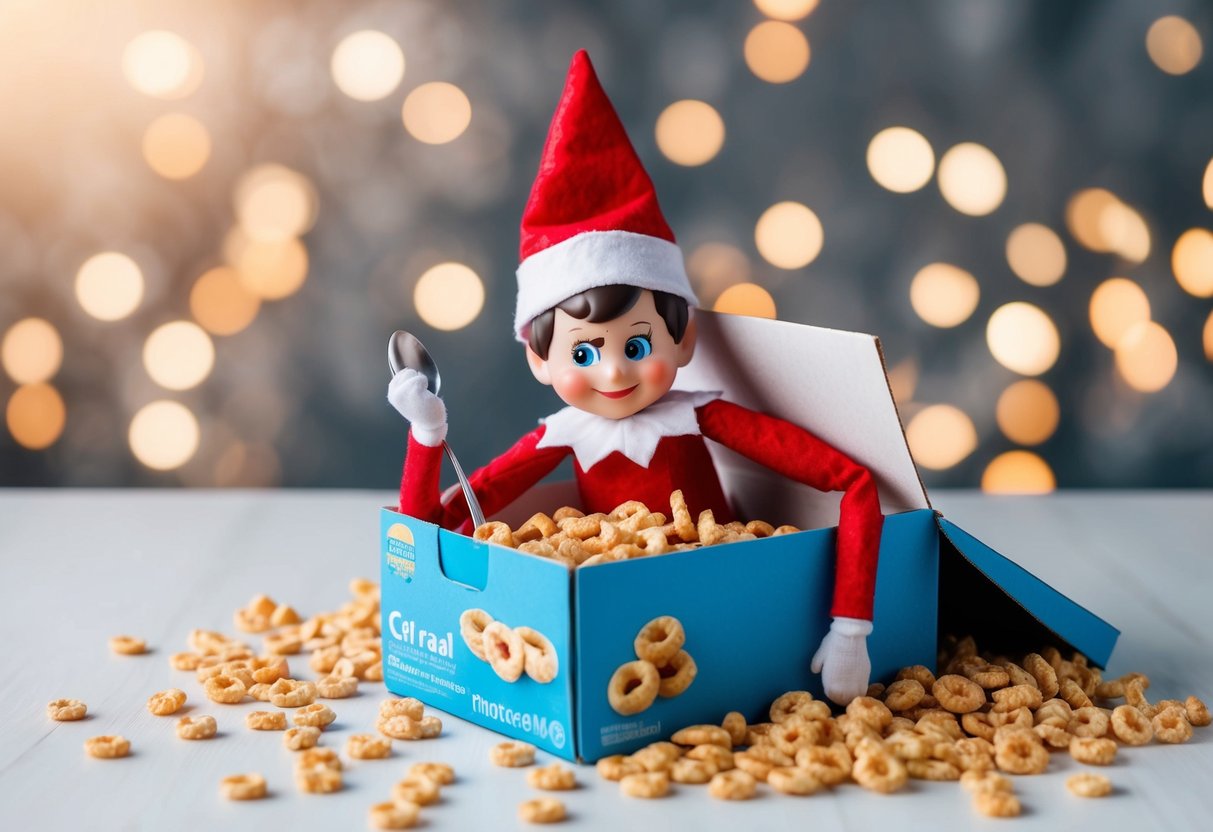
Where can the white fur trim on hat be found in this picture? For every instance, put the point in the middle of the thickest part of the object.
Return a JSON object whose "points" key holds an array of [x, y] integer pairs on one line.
{"points": [[597, 258]]}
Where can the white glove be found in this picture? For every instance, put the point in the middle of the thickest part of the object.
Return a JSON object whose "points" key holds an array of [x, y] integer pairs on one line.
{"points": [[408, 393], [842, 659]]}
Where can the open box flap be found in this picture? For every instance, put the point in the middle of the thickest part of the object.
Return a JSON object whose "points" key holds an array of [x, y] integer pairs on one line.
{"points": [[988, 608], [829, 382]]}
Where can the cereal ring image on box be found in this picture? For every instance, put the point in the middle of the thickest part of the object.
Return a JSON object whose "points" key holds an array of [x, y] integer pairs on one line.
{"points": [[633, 687], [539, 655], [471, 627], [660, 640], [504, 651]]}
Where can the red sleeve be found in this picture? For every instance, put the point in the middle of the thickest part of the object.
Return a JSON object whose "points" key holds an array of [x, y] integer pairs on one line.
{"points": [[799, 455], [496, 485]]}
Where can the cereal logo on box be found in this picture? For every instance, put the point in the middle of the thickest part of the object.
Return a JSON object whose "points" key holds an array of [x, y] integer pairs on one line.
{"points": [[401, 554]]}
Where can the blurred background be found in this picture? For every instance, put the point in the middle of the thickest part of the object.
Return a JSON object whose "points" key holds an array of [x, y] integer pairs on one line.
{"points": [[212, 215]]}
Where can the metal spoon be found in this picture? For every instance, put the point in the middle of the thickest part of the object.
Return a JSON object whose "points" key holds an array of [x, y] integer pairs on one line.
{"points": [[405, 351]]}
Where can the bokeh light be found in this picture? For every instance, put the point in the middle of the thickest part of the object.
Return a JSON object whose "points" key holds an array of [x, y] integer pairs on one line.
{"points": [[714, 266], [944, 295], [746, 299], [1027, 412], [786, 9], [1174, 45], [178, 355], [275, 203], [690, 132], [109, 286], [449, 296], [164, 435], [1018, 472], [1208, 337], [1083, 212], [776, 52], [1192, 262], [1117, 305], [900, 159], [367, 65], [1036, 254], [1022, 338], [221, 303], [1207, 185], [436, 113], [176, 146], [271, 271], [35, 416], [940, 436], [1146, 357], [162, 65], [972, 180], [789, 235], [31, 351], [1125, 232]]}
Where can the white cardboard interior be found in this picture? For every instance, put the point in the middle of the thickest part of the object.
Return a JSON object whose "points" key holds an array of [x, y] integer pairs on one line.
{"points": [[830, 382]]}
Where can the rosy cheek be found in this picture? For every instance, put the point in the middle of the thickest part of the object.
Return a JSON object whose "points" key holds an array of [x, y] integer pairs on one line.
{"points": [[657, 373], [571, 385]]}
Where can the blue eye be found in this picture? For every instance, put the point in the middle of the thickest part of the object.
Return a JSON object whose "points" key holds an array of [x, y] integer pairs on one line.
{"points": [[638, 348], [584, 355]]}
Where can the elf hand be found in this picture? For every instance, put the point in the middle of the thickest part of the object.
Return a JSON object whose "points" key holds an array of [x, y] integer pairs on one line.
{"points": [[408, 393], [842, 659]]}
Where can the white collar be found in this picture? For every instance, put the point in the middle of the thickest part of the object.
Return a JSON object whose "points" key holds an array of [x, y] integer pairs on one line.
{"points": [[594, 437]]}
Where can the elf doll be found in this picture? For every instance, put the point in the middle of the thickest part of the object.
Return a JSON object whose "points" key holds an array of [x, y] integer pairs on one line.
{"points": [[606, 315]]}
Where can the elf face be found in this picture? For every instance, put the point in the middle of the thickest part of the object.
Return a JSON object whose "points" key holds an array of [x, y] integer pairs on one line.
{"points": [[615, 368]]}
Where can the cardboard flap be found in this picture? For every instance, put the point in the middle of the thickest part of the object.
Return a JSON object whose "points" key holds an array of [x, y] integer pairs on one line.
{"points": [[984, 593], [831, 383]]}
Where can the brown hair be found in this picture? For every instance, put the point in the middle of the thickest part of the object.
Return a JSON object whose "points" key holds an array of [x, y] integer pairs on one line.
{"points": [[605, 303]]}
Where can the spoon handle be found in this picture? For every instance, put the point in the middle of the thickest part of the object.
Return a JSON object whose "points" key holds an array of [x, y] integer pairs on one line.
{"points": [[473, 504]]}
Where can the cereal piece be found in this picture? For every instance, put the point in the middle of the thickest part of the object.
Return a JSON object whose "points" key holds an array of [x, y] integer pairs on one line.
{"points": [[283, 615], [317, 715], [503, 650], [793, 780], [692, 771], [554, 777], [242, 787], [1053, 736], [720, 758], [249, 621], [107, 746], [1197, 711], [658, 756], [400, 727], [759, 760], [1016, 696], [1089, 785], [870, 711], [566, 513], [977, 724], [1054, 712], [958, 694], [660, 640], [512, 754], [989, 676], [416, 788], [324, 659], [539, 655], [301, 738], [260, 692], [336, 687], [734, 723], [1020, 752], [1088, 722], [1043, 672], [790, 704], [292, 693], [732, 785], [196, 727], [166, 702], [368, 747], [225, 690], [404, 706], [495, 532], [997, 804], [440, 773], [633, 687], [266, 720], [1017, 675], [618, 766], [942, 723], [184, 661], [1131, 726], [391, 815], [1096, 751], [541, 810], [932, 770], [880, 772], [904, 694], [431, 727], [318, 778], [919, 673], [703, 735], [66, 710], [684, 526], [795, 734], [908, 745], [269, 669], [127, 645], [1171, 725], [985, 780], [1073, 694]]}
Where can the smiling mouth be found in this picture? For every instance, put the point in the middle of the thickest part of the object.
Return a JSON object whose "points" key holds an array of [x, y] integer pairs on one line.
{"points": [[616, 394]]}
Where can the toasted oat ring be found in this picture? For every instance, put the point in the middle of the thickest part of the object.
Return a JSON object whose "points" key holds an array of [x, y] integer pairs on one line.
{"points": [[405, 706], [243, 787], [301, 738], [1131, 726], [392, 815], [732, 785], [734, 723], [537, 547], [1089, 785], [792, 780], [650, 784], [1097, 751], [1197, 711], [265, 720], [684, 526], [317, 715], [539, 655], [1054, 712], [985, 780], [336, 687], [440, 773], [368, 747], [904, 694], [416, 788], [431, 726], [997, 804], [399, 727], [709, 531], [292, 693], [1088, 722], [691, 771], [504, 651], [617, 766], [196, 727], [702, 735], [958, 694], [107, 746], [790, 704], [1021, 752], [225, 690], [584, 527], [653, 541], [1073, 694], [1016, 696], [554, 777], [127, 645], [880, 772], [66, 710], [937, 770], [1171, 725], [871, 711], [1043, 672], [633, 687], [659, 640], [539, 525], [541, 810], [495, 531], [1053, 736], [566, 513], [677, 675], [512, 754]]}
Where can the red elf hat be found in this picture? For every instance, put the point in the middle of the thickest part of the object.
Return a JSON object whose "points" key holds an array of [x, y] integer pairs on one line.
{"points": [[592, 218]]}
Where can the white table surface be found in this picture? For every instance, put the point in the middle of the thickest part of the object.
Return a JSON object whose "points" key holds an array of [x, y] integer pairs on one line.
{"points": [[78, 566]]}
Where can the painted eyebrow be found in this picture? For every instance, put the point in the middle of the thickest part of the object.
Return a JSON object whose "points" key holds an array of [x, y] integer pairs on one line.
{"points": [[638, 323]]}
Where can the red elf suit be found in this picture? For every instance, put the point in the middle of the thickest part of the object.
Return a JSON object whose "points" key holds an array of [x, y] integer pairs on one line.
{"points": [[593, 220]]}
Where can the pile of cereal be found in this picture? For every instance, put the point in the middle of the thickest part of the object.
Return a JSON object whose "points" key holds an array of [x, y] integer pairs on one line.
{"points": [[631, 530]]}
